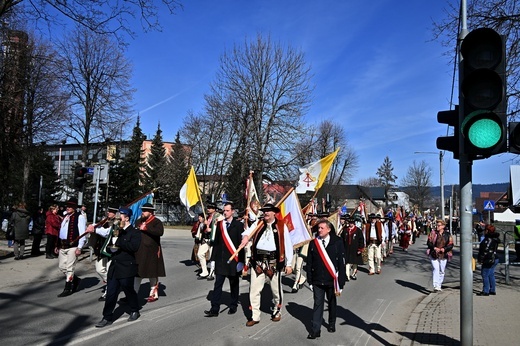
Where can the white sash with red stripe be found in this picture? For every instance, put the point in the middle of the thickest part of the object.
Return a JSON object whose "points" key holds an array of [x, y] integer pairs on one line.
{"points": [[328, 263], [227, 240]]}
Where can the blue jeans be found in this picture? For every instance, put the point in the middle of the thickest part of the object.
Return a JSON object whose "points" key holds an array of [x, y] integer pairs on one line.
{"points": [[488, 278]]}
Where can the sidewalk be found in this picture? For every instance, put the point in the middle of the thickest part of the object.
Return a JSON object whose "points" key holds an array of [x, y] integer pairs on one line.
{"points": [[436, 320]]}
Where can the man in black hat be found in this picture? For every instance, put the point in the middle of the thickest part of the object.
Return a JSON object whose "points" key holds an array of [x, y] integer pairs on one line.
{"points": [[204, 251], [70, 244], [271, 253], [99, 236], [122, 269], [149, 256], [354, 244], [374, 238]]}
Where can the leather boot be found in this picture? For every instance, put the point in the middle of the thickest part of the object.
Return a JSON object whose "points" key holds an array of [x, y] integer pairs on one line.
{"points": [[67, 291], [75, 283]]}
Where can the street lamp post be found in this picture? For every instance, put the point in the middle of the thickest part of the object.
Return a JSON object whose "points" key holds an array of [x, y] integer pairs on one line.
{"points": [[441, 159]]}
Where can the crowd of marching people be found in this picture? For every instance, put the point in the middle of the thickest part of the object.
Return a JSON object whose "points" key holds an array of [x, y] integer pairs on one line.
{"points": [[229, 245], [127, 250]]}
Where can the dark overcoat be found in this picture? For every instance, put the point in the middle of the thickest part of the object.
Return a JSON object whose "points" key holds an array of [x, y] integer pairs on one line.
{"points": [[20, 219], [149, 256], [354, 243], [123, 263], [220, 253], [317, 273]]}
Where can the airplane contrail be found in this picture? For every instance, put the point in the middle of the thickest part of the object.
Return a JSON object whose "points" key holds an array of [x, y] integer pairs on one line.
{"points": [[159, 103]]}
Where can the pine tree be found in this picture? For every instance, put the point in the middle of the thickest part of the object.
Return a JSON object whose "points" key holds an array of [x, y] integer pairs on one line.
{"points": [[236, 184], [156, 163], [178, 169], [132, 166], [386, 175], [42, 170]]}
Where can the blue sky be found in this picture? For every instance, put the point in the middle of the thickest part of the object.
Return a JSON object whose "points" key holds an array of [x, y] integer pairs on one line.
{"points": [[375, 69]]}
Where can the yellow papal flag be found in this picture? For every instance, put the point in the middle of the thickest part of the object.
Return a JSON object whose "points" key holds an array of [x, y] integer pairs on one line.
{"points": [[190, 194], [313, 175]]}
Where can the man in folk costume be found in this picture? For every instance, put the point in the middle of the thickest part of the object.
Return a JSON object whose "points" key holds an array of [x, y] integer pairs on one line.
{"points": [[99, 237], [271, 252], [406, 234], [149, 257], [122, 270], [374, 238], [326, 274], [70, 244], [391, 230], [228, 236], [354, 243], [206, 241]]}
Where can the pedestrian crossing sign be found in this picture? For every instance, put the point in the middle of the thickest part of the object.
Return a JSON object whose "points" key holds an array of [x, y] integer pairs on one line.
{"points": [[489, 205]]}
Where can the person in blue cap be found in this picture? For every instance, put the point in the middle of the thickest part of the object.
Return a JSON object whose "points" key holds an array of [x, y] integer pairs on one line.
{"points": [[122, 270]]}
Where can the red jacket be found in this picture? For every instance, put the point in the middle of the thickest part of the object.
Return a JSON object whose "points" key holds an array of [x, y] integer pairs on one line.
{"points": [[52, 223]]}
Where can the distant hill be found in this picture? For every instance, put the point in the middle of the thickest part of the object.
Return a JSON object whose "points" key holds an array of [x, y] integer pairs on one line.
{"points": [[477, 189]]}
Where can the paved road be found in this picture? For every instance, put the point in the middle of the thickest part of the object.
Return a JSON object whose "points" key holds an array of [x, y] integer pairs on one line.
{"points": [[374, 310]]}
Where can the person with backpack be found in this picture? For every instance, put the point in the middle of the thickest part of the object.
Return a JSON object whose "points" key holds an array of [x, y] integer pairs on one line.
{"points": [[487, 257]]}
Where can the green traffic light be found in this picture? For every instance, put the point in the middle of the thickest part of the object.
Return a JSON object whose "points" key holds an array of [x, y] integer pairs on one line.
{"points": [[484, 133]]}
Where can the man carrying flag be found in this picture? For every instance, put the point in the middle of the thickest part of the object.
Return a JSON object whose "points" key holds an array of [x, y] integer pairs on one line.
{"points": [[228, 236], [326, 274], [271, 253]]}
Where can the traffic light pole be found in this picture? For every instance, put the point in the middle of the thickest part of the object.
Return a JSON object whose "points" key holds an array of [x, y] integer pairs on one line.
{"points": [[466, 212], [466, 251]]}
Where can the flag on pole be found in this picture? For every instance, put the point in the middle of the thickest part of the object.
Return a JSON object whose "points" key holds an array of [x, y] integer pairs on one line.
{"points": [[313, 175], [136, 207], [189, 192], [335, 220], [291, 215], [253, 203]]}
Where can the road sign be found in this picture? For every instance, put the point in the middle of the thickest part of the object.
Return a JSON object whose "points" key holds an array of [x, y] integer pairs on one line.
{"points": [[489, 205], [90, 170]]}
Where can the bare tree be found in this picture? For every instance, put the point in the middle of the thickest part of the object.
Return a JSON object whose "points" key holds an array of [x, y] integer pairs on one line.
{"points": [[99, 16], [370, 182], [213, 140], [322, 140], [267, 87], [98, 77], [417, 183], [500, 15]]}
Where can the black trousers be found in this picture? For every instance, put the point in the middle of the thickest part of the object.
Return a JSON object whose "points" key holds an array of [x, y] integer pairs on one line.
{"points": [[35, 248], [114, 286], [319, 293], [234, 284], [52, 242]]}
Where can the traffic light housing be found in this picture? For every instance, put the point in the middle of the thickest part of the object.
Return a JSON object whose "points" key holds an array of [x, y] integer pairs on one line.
{"points": [[514, 137], [450, 143], [483, 123], [80, 176]]}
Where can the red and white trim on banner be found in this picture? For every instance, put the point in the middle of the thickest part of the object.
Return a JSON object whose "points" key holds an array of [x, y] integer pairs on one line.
{"points": [[328, 263], [227, 240]]}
